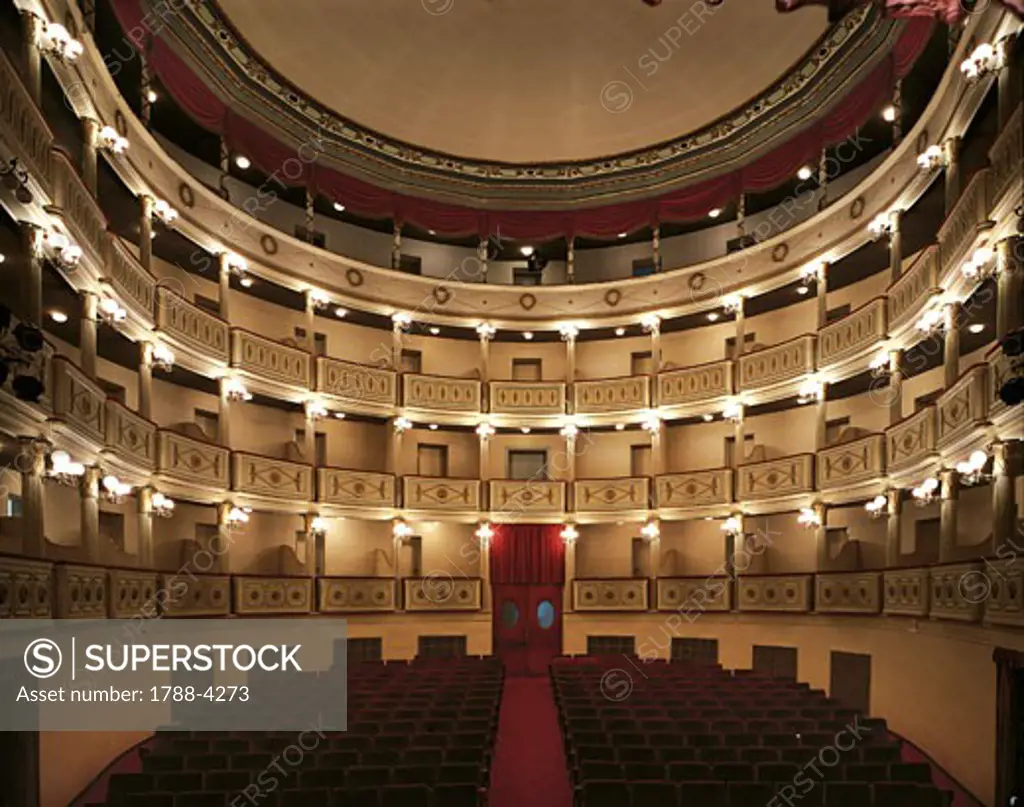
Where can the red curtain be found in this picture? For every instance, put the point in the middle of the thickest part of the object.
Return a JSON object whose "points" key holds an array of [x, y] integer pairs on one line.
{"points": [[528, 553], [1008, 780]]}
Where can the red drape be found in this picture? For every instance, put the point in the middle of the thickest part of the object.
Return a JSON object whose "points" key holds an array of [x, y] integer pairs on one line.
{"points": [[528, 553], [297, 164]]}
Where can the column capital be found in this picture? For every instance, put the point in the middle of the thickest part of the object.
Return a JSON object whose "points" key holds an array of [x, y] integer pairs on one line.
{"points": [[950, 479], [1008, 458], [32, 455], [90, 482], [894, 501], [895, 217]]}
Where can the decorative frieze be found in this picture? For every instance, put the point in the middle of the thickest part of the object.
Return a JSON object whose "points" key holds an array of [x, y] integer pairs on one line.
{"points": [[527, 397], [26, 586], [853, 334], [355, 488], [963, 406], [510, 497], [999, 372], [695, 488], [848, 593], [81, 592], [133, 284], [908, 295], [190, 325], [441, 393], [774, 365], [342, 595], [791, 593], [442, 592], [1006, 161], [958, 591], [273, 595], [188, 594], [78, 400], [691, 596], [852, 462], [695, 384], [782, 477], [356, 383], [192, 461], [632, 493], [438, 493], [266, 358], [1001, 585], [267, 476], [132, 594], [912, 440], [23, 129], [968, 218], [129, 436], [624, 594], [906, 592], [78, 207], [611, 395]]}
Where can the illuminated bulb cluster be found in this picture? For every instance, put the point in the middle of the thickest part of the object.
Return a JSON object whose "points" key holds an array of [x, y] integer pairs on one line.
{"points": [[931, 321], [984, 59], [925, 493], [880, 225], [651, 530], [401, 424], [812, 272], [809, 518], [569, 533], [811, 390], [163, 357], [61, 250], [401, 320], [972, 470], [877, 507], [112, 141], [63, 470], [318, 526], [732, 304], [568, 331], [56, 41], [400, 530], [880, 364], [111, 311], [115, 490], [319, 299], [732, 526], [163, 211], [485, 430], [235, 390], [486, 331], [652, 422], [163, 506], [650, 322], [931, 159], [237, 517], [980, 265], [236, 263], [733, 411], [569, 431], [484, 533]]}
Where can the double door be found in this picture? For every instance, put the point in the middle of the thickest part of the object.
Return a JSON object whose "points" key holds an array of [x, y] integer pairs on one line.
{"points": [[527, 626]]}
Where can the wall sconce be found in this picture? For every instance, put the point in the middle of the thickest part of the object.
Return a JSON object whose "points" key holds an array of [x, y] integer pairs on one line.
{"points": [[972, 470], [237, 517], [651, 323], [568, 331], [984, 59], [652, 422], [163, 506], [401, 424], [931, 321], [162, 357], [569, 534], [111, 312], [236, 263], [880, 365], [111, 141], [400, 530], [569, 431], [485, 430], [878, 506], [651, 530], [811, 390], [809, 518], [401, 320], [931, 159], [318, 527], [980, 266], [813, 272], [319, 299], [15, 178], [235, 391], [54, 40], [880, 225], [486, 331], [484, 533], [114, 490], [316, 410], [164, 212], [926, 493], [60, 249], [732, 526], [63, 470], [733, 412], [733, 304]]}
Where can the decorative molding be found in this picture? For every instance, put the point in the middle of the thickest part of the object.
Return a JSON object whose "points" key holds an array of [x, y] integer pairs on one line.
{"points": [[968, 218], [625, 594], [265, 358], [907, 297], [26, 586], [1006, 161], [81, 592], [695, 488], [692, 384], [611, 495], [952, 593], [852, 334], [790, 593], [442, 592], [436, 493], [693, 595], [341, 595], [191, 461], [267, 476], [133, 284], [190, 325], [273, 595], [912, 440], [355, 488], [963, 406], [78, 400], [355, 383], [848, 593], [527, 397], [24, 132], [131, 437], [773, 365], [1003, 582], [132, 594], [611, 395], [441, 394], [906, 592], [80, 211], [782, 477], [848, 463], [194, 595], [509, 497]]}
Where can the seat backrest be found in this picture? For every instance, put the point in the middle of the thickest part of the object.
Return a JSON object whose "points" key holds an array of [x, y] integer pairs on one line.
{"points": [[654, 794]]}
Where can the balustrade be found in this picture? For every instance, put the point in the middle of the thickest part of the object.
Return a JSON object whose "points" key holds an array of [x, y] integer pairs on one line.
{"points": [[848, 593], [611, 395], [623, 594], [24, 131], [265, 358], [527, 397], [79, 209], [441, 394], [853, 334], [691, 596], [187, 594], [356, 383], [267, 476], [1006, 161], [963, 406], [81, 592], [906, 592], [265, 596], [355, 488], [438, 493], [132, 594], [782, 477], [852, 462], [194, 462], [774, 365], [958, 591], [695, 384], [134, 286], [1001, 584], [907, 297], [912, 440], [341, 595], [190, 325], [775, 593], [130, 437], [964, 223], [509, 497], [442, 592], [695, 488], [26, 586], [600, 495], [78, 400]]}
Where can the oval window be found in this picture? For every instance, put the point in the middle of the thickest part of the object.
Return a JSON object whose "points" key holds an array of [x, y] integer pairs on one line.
{"points": [[545, 614], [509, 614]]}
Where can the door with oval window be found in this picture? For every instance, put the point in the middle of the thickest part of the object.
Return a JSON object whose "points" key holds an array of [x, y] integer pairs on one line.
{"points": [[527, 627]]}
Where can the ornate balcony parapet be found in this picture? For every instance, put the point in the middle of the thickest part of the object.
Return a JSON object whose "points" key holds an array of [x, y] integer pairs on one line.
{"points": [[611, 395], [853, 334], [1002, 580], [134, 285], [694, 384], [790, 593], [998, 374], [850, 463], [356, 383], [695, 488], [23, 129], [191, 461], [958, 591], [963, 406], [966, 220], [782, 477], [442, 593], [439, 493], [355, 488], [1006, 158], [629, 493], [265, 358], [267, 476], [527, 397], [848, 593], [907, 296], [81, 592], [129, 436], [26, 586], [912, 440], [342, 595], [510, 497], [190, 325], [906, 592], [132, 594], [79, 208], [774, 365], [691, 596], [440, 393], [262, 596], [190, 594], [78, 400], [608, 594]]}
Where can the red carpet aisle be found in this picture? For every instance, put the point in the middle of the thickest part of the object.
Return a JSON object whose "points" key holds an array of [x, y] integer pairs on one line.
{"points": [[529, 768]]}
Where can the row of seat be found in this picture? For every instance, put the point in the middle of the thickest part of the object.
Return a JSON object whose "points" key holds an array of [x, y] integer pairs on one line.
{"points": [[796, 755], [751, 772], [412, 795]]}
